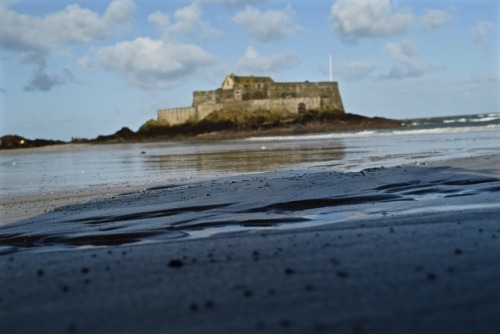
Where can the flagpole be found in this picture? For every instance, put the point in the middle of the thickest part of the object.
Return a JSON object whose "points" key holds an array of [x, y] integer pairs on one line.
{"points": [[331, 70]]}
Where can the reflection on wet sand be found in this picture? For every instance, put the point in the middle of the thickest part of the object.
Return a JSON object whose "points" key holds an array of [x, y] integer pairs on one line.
{"points": [[256, 160]]}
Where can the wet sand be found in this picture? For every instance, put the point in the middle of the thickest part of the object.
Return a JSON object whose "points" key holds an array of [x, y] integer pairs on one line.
{"points": [[410, 249]]}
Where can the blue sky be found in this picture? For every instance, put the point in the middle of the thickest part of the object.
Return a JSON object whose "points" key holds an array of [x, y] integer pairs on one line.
{"points": [[83, 68]]}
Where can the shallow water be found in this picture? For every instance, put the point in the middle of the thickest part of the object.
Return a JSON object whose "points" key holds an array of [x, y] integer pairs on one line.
{"points": [[173, 209], [52, 169]]}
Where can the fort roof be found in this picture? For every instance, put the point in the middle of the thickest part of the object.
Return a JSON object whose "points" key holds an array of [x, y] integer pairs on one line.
{"points": [[234, 81]]}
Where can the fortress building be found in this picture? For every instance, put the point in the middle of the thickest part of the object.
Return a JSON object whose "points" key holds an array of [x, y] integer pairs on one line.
{"points": [[251, 93]]}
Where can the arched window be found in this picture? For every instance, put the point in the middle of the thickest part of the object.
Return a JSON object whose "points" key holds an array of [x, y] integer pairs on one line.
{"points": [[301, 108], [237, 95]]}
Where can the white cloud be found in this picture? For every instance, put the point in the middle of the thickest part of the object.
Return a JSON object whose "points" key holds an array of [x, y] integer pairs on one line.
{"points": [[85, 63], [36, 37], [267, 26], [161, 20], [119, 12], [73, 24], [153, 64], [253, 62], [187, 20], [481, 30], [435, 18], [356, 70], [355, 19], [401, 51], [407, 65]]}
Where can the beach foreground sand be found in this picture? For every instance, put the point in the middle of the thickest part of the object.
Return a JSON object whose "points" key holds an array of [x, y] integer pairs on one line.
{"points": [[409, 249]]}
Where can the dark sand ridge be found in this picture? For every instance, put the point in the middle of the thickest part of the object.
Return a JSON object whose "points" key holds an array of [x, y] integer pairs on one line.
{"points": [[409, 249]]}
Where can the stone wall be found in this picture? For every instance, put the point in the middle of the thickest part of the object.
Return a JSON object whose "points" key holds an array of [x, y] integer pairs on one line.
{"points": [[306, 89], [177, 115], [275, 91], [289, 105], [206, 109]]}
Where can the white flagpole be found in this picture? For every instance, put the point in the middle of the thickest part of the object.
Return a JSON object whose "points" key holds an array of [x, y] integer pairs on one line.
{"points": [[331, 70]]}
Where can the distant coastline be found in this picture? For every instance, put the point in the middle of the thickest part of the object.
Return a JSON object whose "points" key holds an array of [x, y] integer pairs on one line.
{"points": [[218, 127]]}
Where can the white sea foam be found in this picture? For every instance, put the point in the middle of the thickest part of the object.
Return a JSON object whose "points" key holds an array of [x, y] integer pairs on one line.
{"points": [[491, 127], [461, 120], [316, 136], [480, 118], [489, 118], [474, 119], [375, 133]]}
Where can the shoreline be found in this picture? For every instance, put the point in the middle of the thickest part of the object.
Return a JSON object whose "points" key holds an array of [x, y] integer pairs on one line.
{"points": [[407, 249]]}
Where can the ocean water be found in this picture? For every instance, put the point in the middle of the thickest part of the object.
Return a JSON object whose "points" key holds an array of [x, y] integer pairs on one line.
{"points": [[71, 167]]}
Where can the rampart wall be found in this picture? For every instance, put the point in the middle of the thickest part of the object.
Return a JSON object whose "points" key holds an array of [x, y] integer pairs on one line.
{"points": [[177, 115], [288, 105]]}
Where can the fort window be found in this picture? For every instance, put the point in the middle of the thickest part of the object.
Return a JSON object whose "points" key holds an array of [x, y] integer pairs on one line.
{"points": [[237, 95], [301, 108]]}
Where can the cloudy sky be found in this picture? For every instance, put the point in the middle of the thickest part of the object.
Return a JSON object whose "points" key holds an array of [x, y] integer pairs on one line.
{"points": [[86, 67]]}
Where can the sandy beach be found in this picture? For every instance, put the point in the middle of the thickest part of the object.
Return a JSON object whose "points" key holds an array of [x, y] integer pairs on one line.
{"points": [[407, 249]]}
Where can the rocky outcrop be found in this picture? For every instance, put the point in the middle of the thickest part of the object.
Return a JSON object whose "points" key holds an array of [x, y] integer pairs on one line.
{"points": [[14, 141]]}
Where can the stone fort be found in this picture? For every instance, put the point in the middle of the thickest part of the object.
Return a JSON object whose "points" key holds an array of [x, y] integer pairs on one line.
{"points": [[251, 93]]}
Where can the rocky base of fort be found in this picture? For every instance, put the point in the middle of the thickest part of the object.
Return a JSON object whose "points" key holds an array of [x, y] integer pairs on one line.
{"points": [[225, 128]]}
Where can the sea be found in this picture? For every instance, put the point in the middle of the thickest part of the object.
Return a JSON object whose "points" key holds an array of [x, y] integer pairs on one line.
{"points": [[48, 170]]}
